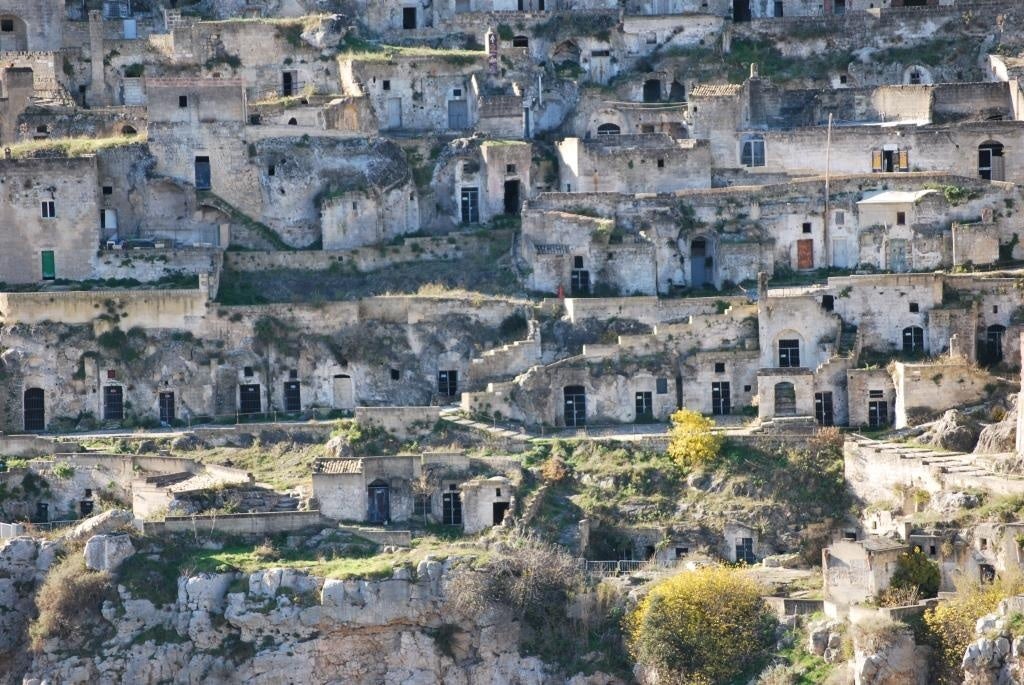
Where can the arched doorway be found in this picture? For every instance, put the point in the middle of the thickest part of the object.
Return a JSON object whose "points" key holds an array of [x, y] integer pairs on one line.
{"points": [[991, 166], [344, 392], [913, 340], [702, 263], [35, 409], [13, 34], [785, 399], [128, 130], [608, 130], [378, 502]]}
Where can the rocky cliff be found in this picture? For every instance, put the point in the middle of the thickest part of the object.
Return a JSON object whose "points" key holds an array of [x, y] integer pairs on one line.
{"points": [[275, 626]]}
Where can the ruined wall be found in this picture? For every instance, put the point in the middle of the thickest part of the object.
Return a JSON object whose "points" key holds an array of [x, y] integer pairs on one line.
{"points": [[924, 391]]}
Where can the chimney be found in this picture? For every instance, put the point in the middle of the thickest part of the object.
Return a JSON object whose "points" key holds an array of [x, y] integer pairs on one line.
{"points": [[753, 70]]}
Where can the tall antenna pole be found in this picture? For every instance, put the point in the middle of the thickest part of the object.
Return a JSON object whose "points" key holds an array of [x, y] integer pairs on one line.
{"points": [[828, 172]]}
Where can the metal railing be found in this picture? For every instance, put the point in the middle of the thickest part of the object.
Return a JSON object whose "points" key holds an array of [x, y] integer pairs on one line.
{"points": [[607, 569]]}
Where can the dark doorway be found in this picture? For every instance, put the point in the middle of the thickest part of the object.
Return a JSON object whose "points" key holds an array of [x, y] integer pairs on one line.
{"points": [[575, 397], [644, 407], [721, 400], [652, 90], [805, 253], [85, 507], [987, 574], [785, 399], [249, 399], [677, 93], [470, 205], [448, 383], [203, 177], [166, 401], [823, 412], [499, 512], [913, 341], [828, 302], [378, 499], [839, 7], [293, 396], [451, 508], [287, 84], [701, 263], [579, 281], [990, 161], [113, 403], [42, 512], [512, 202], [679, 392], [408, 17], [778, 8], [35, 409], [878, 413], [741, 10], [993, 352], [745, 551]]}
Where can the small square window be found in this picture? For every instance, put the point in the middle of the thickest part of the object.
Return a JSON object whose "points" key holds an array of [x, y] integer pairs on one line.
{"points": [[719, 367], [932, 550], [395, 374], [840, 218], [577, 262], [48, 209], [661, 386], [457, 93], [746, 388], [182, 101], [914, 307], [88, 492], [497, 492], [7, 25], [293, 374], [807, 227], [661, 164], [510, 168], [108, 190], [386, 84], [876, 394], [842, 79], [111, 374], [247, 372], [995, 309], [901, 218]]}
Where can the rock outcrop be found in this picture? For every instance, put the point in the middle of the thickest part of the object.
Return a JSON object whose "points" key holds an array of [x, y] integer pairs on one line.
{"points": [[888, 655], [107, 552], [953, 431], [284, 626], [997, 656]]}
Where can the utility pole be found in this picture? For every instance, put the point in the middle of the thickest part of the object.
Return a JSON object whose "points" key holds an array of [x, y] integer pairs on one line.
{"points": [[828, 170]]}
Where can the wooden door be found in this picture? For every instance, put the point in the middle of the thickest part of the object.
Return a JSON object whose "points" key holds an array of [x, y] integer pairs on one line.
{"points": [[805, 253]]}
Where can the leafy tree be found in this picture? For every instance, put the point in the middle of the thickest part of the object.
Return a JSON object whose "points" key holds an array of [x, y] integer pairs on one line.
{"points": [[915, 570], [705, 626], [691, 440]]}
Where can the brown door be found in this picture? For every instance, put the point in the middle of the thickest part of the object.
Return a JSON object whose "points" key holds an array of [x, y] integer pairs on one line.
{"points": [[805, 254]]}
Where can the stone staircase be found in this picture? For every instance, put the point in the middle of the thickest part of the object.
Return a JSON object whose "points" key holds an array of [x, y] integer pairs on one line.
{"points": [[507, 360], [455, 416], [951, 469]]}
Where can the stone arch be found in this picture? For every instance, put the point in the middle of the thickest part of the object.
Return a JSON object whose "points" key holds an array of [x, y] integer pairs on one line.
{"points": [[916, 74], [129, 130], [608, 129]]}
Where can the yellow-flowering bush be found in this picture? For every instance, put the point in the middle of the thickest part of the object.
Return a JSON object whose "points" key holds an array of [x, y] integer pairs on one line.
{"points": [[703, 626], [691, 440], [950, 626]]}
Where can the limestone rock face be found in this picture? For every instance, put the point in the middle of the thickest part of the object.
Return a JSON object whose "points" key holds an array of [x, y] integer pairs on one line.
{"points": [[328, 32], [107, 522], [1001, 436], [107, 552], [899, 662], [284, 626]]}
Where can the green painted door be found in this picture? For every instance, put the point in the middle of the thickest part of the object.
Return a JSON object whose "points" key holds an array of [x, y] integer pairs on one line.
{"points": [[49, 267]]}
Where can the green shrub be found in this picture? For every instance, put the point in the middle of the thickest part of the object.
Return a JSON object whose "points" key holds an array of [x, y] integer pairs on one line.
{"points": [[69, 602], [915, 570]]}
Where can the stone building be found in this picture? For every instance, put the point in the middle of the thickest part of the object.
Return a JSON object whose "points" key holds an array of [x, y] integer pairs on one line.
{"points": [[858, 570], [616, 163], [50, 217], [36, 26]]}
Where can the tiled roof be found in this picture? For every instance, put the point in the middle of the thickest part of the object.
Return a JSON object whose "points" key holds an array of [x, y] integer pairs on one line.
{"points": [[715, 90], [336, 467]]}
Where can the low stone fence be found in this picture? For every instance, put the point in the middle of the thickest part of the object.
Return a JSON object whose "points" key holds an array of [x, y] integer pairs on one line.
{"points": [[789, 606], [400, 421], [28, 446], [266, 523]]}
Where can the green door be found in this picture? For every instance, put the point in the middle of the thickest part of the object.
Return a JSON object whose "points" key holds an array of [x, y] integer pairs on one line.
{"points": [[49, 268]]}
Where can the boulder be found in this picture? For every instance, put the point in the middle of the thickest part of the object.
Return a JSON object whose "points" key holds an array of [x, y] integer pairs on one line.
{"points": [[953, 431], [327, 33], [107, 552], [188, 443], [999, 437], [338, 447], [107, 522]]}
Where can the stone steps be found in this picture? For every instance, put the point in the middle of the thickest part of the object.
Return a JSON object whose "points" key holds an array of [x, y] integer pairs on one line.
{"points": [[453, 415]]}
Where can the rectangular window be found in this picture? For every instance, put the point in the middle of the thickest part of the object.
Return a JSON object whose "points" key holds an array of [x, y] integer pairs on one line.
{"points": [[48, 209], [7, 25], [386, 84], [840, 218], [661, 386], [448, 383], [661, 163], [719, 367], [182, 101], [752, 151], [510, 168], [876, 394], [789, 353], [108, 190], [807, 227], [901, 218], [421, 505], [721, 398]]}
